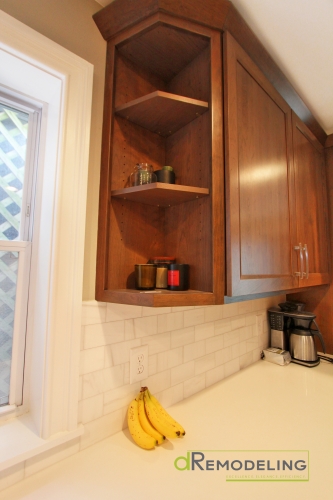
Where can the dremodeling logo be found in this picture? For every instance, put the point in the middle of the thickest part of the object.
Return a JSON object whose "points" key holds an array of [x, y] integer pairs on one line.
{"points": [[248, 465]]}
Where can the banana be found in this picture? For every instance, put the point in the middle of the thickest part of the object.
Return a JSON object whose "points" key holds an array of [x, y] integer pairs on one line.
{"points": [[145, 424], [166, 414], [156, 418], [140, 436]]}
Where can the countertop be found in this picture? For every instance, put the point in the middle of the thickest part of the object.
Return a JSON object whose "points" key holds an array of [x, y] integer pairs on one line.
{"points": [[262, 408]]}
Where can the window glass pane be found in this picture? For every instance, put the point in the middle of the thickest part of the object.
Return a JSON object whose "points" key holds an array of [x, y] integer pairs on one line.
{"points": [[13, 141], [8, 278]]}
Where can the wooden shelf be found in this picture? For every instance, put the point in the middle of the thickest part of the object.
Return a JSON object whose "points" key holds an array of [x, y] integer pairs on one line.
{"points": [[161, 112], [160, 194], [159, 298]]}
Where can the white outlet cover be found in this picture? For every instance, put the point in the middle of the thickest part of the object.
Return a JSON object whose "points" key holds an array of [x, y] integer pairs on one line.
{"points": [[138, 363]]}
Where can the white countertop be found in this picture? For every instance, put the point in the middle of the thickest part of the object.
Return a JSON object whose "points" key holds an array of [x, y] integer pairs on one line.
{"points": [[264, 407]]}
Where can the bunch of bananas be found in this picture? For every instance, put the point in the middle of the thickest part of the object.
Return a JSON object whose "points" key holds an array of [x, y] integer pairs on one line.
{"points": [[149, 423]]}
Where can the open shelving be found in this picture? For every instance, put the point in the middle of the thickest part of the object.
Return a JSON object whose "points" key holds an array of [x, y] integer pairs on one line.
{"points": [[161, 90]]}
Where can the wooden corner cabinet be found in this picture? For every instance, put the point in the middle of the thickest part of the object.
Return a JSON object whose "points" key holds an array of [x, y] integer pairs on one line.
{"points": [[163, 102], [248, 211]]}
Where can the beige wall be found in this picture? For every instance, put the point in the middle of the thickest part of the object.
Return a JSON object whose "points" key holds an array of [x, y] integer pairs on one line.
{"points": [[70, 24]]}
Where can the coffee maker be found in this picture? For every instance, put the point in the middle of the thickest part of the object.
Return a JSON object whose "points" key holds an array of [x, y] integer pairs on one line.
{"points": [[291, 330]]}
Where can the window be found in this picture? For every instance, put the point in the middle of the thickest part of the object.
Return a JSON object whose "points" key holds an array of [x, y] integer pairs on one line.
{"points": [[41, 71], [19, 131]]}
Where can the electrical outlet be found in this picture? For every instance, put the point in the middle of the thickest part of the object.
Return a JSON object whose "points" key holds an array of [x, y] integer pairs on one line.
{"points": [[260, 324], [138, 363]]}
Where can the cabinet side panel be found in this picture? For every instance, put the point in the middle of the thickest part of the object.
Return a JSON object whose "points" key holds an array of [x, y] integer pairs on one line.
{"points": [[105, 183]]}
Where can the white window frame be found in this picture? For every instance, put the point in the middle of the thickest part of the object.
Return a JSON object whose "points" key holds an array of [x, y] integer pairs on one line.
{"points": [[62, 83]]}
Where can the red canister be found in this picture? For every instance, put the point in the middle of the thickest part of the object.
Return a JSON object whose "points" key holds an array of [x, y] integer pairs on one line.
{"points": [[178, 277]]}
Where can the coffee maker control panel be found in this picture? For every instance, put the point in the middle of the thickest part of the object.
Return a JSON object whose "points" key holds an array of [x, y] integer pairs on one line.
{"points": [[276, 320]]}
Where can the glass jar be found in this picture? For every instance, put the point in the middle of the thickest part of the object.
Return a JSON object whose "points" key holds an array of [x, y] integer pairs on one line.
{"points": [[142, 174]]}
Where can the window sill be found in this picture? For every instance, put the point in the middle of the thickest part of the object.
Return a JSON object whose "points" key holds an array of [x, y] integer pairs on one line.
{"points": [[19, 441]]}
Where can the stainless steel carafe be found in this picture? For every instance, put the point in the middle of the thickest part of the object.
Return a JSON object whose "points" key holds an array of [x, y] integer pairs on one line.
{"points": [[301, 339]]}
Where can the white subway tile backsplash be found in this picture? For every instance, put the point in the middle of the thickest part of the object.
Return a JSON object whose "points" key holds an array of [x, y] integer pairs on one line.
{"points": [[246, 333], [213, 313], [120, 397], [204, 331], [235, 351], [195, 350], [169, 359], [182, 372], [116, 354], [158, 382], [103, 334], [213, 344], [223, 356], [252, 344], [152, 365], [190, 348], [237, 322], [230, 310], [245, 307], [194, 317], [157, 343], [117, 312], [92, 384], [171, 396], [170, 322], [91, 408], [222, 326], [215, 375], [182, 337], [231, 367], [144, 327], [102, 428], [93, 312], [113, 377], [202, 365], [91, 360], [194, 385], [245, 360], [129, 329], [153, 311], [231, 338]]}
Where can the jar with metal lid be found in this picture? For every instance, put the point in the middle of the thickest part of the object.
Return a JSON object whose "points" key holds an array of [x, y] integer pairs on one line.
{"points": [[142, 174]]}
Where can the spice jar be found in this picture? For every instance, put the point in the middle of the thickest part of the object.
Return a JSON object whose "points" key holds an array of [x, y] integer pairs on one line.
{"points": [[162, 266], [166, 174], [142, 174]]}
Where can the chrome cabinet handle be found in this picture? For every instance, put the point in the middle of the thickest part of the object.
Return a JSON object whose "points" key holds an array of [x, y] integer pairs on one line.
{"points": [[301, 273], [306, 274]]}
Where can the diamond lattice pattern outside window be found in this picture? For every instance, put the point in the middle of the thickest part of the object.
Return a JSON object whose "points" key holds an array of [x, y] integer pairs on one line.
{"points": [[13, 143]]}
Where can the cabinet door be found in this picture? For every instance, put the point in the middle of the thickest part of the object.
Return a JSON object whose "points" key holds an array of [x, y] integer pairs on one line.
{"points": [[259, 205], [311, 205]]}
